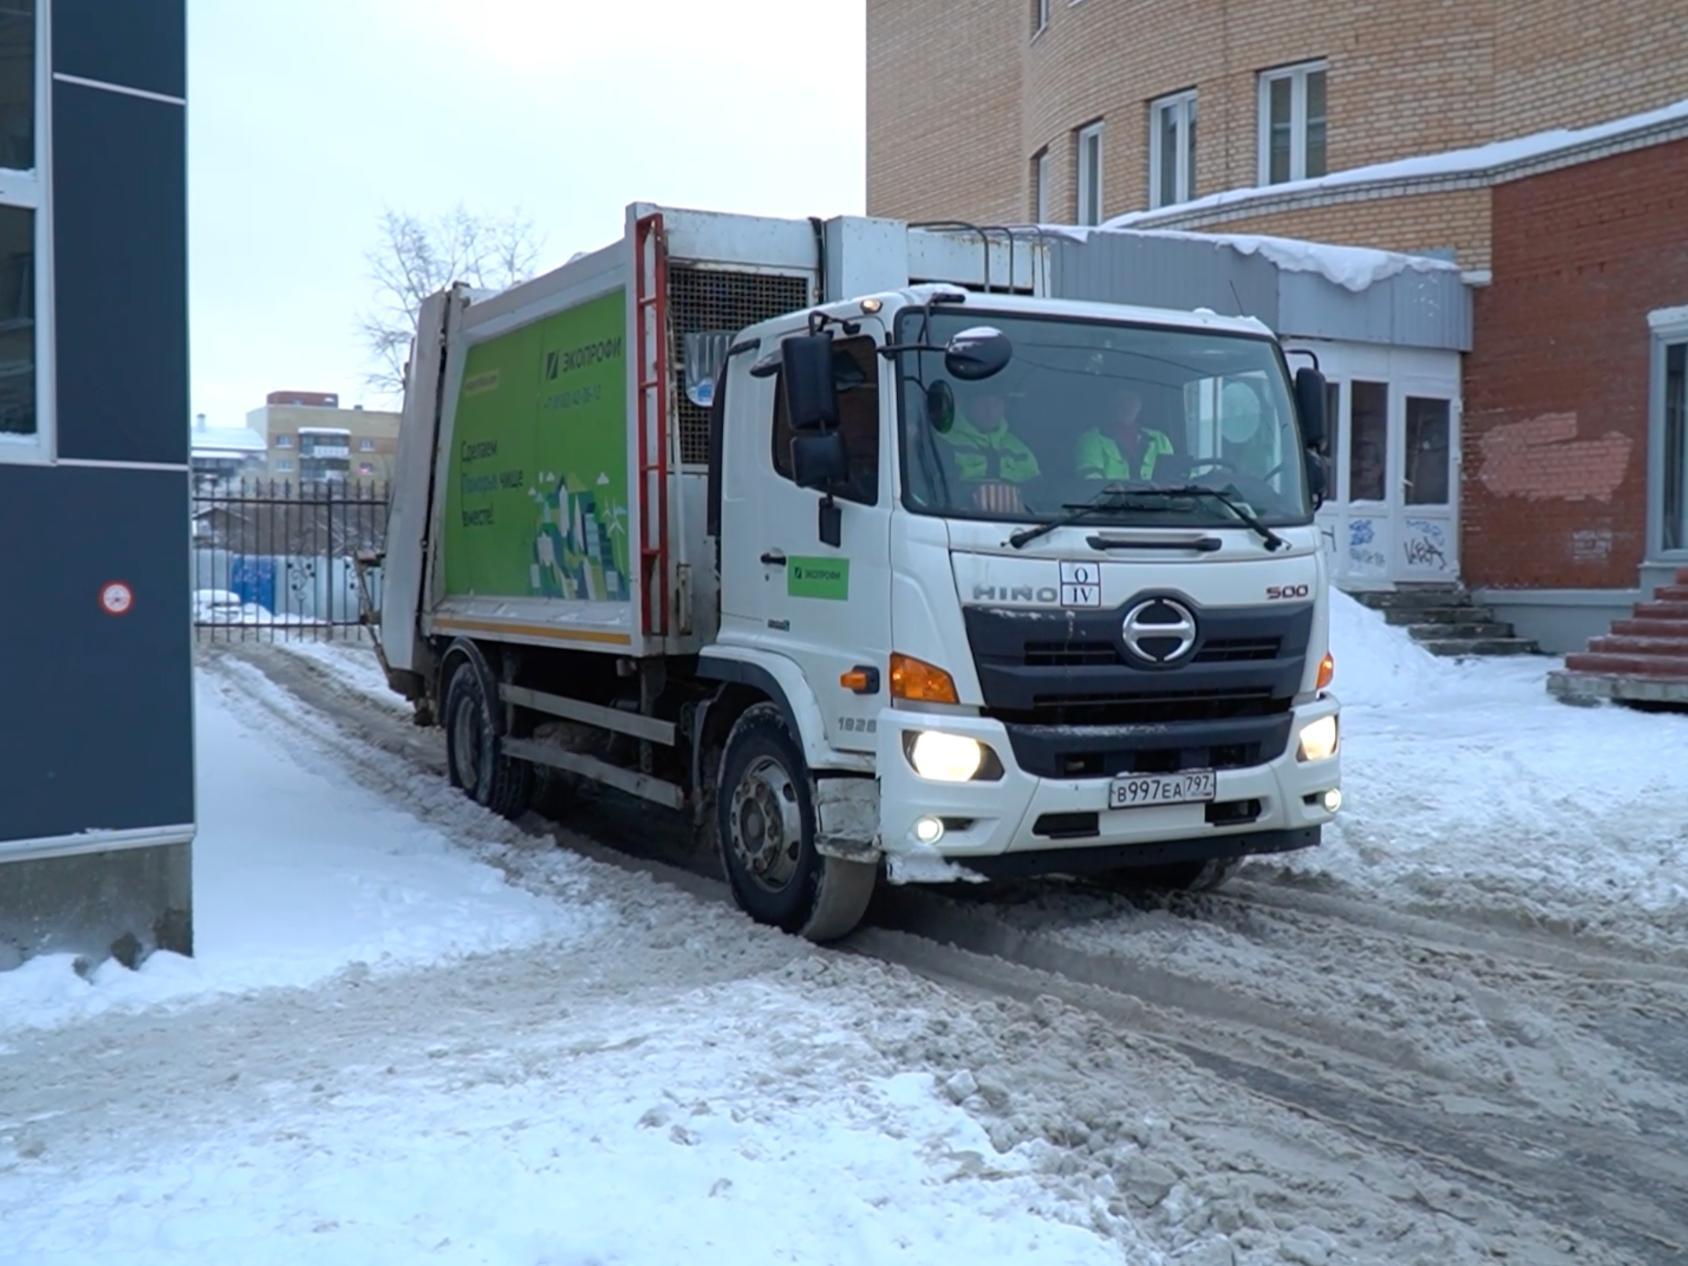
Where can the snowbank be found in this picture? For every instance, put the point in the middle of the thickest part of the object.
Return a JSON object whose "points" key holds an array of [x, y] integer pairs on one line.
{"points": [[1377, 663], [295, 878]]}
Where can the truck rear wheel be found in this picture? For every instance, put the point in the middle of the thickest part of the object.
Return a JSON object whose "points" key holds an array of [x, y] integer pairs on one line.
{"points": [[476, 765], [767, 831]]}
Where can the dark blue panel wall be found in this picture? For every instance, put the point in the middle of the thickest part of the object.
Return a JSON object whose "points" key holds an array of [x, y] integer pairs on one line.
{"points": [[120, 275], [97, 724], [136, 43]]}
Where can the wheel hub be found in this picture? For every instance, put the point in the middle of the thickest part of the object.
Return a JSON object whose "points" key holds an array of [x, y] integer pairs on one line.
{"points": [[766, 824]]}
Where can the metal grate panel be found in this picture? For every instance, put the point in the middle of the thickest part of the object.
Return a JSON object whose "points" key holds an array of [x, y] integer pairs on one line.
{"points": [[718, 302]]}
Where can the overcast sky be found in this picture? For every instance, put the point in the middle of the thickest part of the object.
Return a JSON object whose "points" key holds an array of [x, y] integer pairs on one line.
{"points": [[307, 117]]}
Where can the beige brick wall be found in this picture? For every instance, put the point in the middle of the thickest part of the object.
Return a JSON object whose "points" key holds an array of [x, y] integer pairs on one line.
{"points": [[943, 109], [1414, 223], [954, 85]]}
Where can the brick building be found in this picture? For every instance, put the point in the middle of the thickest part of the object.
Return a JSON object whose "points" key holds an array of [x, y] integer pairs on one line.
{"points": [[309, 438], [1536, 144], [1074, 111]]}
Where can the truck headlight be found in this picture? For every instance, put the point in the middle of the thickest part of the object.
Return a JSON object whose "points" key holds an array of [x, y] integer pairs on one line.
{"points": [[1318, 739], [950, 757]]}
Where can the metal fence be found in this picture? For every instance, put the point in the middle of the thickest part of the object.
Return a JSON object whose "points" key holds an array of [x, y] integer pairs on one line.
{"points": [[274, 559]]}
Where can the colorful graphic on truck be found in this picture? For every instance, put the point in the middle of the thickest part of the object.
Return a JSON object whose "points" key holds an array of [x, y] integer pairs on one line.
{"points": [[536, 503]]}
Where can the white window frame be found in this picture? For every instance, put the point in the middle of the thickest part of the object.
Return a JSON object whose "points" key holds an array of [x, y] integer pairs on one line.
{"points": [[283, 441], [1185, 179], [1088, 182], [1040, 186], [284, 465], [32, 191], [1667, 326], [1040, 17], [1297, 75], [366, 446]]}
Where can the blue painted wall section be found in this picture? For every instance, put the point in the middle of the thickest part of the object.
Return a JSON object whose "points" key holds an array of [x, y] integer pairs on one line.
{"points": [[96, 723]]}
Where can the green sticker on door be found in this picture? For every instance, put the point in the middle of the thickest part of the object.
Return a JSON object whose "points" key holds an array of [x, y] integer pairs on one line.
{"points": [[818, 578]]}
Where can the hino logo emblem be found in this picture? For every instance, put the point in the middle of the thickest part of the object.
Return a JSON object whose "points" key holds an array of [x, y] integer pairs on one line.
{"points": [[1160, 631]]}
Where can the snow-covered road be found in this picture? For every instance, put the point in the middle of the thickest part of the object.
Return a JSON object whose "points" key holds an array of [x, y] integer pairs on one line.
{"points": [[1456, 1033]]}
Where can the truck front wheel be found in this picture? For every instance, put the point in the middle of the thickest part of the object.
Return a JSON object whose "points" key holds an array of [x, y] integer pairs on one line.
{"points": [[767, 833], [472, 753]]}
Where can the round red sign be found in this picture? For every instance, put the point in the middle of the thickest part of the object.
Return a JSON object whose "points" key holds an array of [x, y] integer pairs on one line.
{"points": [[116, 598]]}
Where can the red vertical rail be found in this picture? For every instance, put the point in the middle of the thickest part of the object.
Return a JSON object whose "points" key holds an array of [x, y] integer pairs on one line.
{"points": [[651, 352]]}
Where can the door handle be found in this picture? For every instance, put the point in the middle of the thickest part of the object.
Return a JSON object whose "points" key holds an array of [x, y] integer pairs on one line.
{"points": [[773, 558]]}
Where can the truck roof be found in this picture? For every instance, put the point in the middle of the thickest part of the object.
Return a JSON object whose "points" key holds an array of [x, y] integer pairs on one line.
{"points": [[1127, 313]]}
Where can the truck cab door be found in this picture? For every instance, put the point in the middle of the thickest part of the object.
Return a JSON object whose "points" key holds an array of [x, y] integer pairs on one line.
{"points": [[783, 589]]}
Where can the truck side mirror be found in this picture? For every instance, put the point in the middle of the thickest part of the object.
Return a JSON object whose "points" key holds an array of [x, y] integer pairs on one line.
{"points": [[811, 394], [977, 353], [1310, 404], [819, 461], [1318, 477]]}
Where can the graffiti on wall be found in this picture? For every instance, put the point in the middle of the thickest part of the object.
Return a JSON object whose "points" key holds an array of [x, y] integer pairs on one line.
{"points": [[1365, 549], [1425, 546]]}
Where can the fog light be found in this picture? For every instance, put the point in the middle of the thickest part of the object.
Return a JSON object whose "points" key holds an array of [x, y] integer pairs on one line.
{"points": [[1332, 800], [945, 757], [1318, 739], [928, 830]]}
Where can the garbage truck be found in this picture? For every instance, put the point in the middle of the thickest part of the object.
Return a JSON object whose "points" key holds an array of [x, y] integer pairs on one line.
{"points": [[850, 541]]}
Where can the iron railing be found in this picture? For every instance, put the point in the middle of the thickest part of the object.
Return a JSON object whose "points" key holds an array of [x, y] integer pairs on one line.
{"points": [[274, 559]]}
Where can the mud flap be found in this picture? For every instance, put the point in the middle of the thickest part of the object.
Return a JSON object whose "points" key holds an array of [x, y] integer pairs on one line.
{"points": [[847, 818]]}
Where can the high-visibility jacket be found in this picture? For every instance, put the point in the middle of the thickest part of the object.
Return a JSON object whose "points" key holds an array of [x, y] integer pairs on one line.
{"points": [[1099, 455], [998, 454]]}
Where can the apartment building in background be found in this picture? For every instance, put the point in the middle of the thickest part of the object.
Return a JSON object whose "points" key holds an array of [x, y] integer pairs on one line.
{"points": [[1539, 147], [310, 438]]}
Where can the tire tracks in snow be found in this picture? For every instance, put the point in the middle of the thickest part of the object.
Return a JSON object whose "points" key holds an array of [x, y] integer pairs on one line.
{"points": [[1608, 1176]]}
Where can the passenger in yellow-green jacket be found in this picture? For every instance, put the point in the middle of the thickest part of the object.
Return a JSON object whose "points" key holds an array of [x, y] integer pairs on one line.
{"points": [[986, 452], [1125, 450]]}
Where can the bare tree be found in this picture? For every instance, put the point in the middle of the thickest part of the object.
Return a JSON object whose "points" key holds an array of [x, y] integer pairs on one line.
{"points": [[414, 258]]}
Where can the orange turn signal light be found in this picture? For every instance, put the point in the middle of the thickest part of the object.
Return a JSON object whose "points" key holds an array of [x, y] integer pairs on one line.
{"points": [[864, 681], [1327, 670], [916, 680]]}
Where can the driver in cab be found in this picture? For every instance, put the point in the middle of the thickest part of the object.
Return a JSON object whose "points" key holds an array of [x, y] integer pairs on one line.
{"points": [[986, 453], [1123, 450]]}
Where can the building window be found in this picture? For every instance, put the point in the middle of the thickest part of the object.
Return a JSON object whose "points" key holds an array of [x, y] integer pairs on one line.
{"points": [[1674, 422], [284, 465], [22, 293], [1172, 149], [284, 441], [366, 446], [1368, 441], [366, 468], [1090, 174], [1292, 123], [1040, 17], [1040, 187]]}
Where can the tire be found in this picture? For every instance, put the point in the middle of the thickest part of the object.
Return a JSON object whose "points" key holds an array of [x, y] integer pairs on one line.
{"points": [[1181, 876], [777, 875], [472, 756]]}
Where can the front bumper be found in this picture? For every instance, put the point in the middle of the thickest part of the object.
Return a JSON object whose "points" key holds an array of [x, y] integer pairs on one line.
{"points": [[1022, 823]]}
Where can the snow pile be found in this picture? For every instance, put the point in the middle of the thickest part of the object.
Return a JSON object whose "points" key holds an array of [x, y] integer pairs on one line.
{"points": [[1377, 663], [295, 878], [1477, 160], [1351, 267], [353, 664]]}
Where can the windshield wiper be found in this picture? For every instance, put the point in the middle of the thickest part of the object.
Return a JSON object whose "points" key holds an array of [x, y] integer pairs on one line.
{"points": [[1236, 507], [1107, 499]]}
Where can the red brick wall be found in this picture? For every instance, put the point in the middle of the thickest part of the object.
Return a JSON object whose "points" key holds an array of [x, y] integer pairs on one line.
{"points": [[1556, 388]]}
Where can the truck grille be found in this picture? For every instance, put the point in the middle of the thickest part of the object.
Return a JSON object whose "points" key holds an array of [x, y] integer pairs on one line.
{"points": [[717, 300], [1219, 650]]}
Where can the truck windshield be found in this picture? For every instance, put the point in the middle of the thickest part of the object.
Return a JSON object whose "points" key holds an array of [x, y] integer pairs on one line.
{"points": [[1085, 406]]}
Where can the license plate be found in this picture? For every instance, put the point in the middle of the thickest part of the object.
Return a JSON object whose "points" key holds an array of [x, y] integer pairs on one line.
{"points": [[1137, 791]]}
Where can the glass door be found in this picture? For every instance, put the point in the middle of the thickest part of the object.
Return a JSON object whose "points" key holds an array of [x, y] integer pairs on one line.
{"points": [[1427, 448], [1673, 419]]}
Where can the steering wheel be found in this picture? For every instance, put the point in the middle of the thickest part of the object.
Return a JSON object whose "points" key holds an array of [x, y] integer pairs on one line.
{"points": [[1215, 463]]}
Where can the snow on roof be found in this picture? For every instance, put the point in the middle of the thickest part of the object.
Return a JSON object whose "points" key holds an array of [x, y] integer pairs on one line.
{"points": [[1477, 160], [1352, 267], [223, 439], [323, 430]]}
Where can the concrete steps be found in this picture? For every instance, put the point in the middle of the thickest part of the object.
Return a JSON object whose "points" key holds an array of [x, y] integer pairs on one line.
{"points": [[1445, 621], [1643, 660]]}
